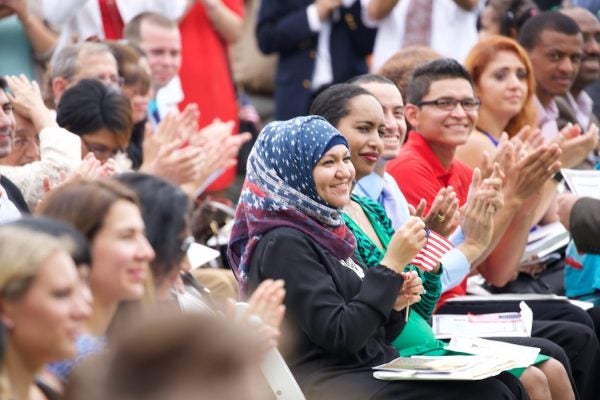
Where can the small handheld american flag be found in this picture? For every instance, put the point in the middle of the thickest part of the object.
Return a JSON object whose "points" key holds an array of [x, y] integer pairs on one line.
{"points": [[433, 251], [430, 255]]}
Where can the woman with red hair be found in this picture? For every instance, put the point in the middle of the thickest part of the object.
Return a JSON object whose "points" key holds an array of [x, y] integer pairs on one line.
{"points": [[505, 84]]}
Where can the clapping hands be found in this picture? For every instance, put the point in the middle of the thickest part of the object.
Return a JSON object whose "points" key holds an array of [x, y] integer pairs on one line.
{"points": [[178, 151], [443, 216], [264, 311]]}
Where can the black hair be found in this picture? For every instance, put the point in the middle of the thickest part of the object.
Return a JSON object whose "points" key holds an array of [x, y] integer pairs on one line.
{"points": [[165, 210], [546, 21], [518, 12], [80, 251], [436, 70], [3, 83], [332, 103], [90, 105], [510, 15]]}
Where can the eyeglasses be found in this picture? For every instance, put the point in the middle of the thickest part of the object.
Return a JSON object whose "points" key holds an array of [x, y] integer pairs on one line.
{"points": [[101, 151], [450, 103]]}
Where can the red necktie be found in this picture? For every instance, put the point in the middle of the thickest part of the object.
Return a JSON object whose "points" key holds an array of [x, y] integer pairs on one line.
{"points": [[111, 19]]}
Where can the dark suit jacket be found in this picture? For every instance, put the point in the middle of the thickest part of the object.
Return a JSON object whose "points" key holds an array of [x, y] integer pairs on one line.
{"points": [[282, 27], [585, 225], [567, 114]]}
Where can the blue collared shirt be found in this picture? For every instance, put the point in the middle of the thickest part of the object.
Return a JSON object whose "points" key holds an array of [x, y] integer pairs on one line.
{"points": [[395, 205]]}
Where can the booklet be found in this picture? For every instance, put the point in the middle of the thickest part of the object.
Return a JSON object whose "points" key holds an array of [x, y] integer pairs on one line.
{"points": [[488, 358], [543, 241], [460, 367], [583, 182], [508, 324]]}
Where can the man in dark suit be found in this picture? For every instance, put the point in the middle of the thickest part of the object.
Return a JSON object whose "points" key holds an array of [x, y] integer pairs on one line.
{"points": [[576, 106], [319, 43]]}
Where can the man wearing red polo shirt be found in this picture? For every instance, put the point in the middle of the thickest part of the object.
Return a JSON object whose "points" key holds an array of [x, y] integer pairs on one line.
{"points": [[442, 109]]}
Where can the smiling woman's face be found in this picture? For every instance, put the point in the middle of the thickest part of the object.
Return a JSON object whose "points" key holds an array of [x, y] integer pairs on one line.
{"points": [[363, 127], [333, 176], [121, 255], [392, 104], [502, 87]]}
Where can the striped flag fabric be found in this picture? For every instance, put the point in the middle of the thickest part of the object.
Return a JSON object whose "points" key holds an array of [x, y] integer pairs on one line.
{"points": [[433, 251]]}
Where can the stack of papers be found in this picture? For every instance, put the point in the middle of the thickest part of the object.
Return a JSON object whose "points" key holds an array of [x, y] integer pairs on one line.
{"points": [[489, 358], [442, 368]]}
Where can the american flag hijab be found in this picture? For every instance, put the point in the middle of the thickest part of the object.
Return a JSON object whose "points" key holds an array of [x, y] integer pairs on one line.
{"points": [[279, 190]]}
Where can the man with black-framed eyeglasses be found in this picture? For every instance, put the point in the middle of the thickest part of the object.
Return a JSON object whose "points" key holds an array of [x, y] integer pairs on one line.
{"points": [[449, 103], [441, 106]]}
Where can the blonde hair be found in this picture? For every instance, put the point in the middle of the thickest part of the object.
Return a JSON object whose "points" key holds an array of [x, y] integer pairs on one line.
{"points": [[22, 252]]}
